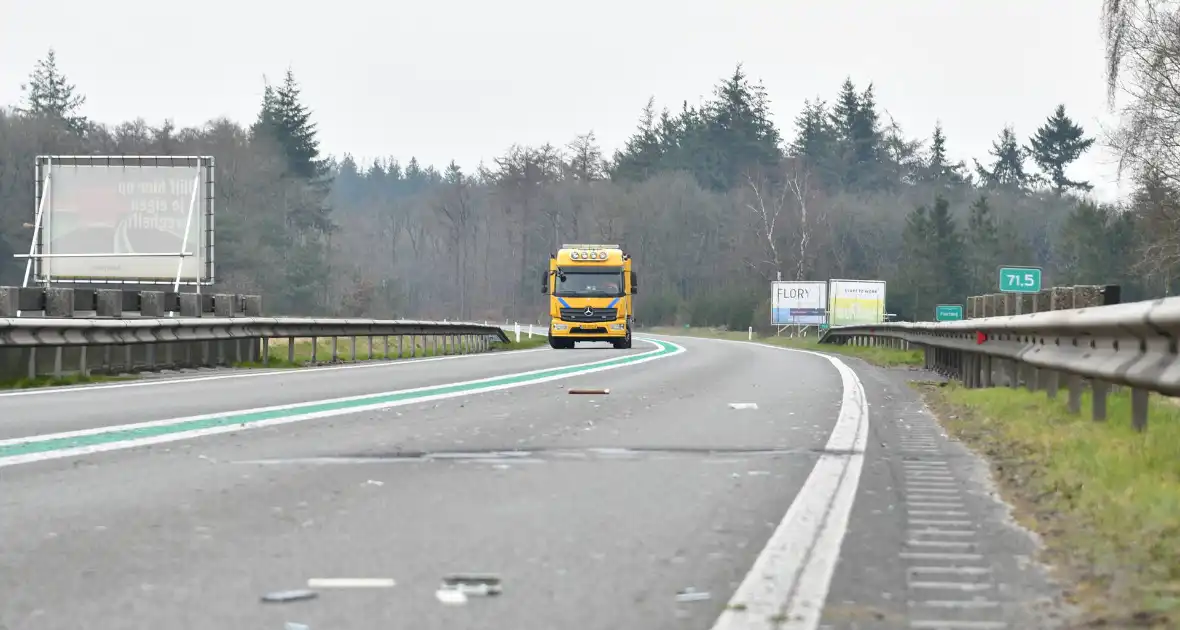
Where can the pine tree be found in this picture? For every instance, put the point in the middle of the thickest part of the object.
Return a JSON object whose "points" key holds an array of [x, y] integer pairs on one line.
{"points": [[641, 156], [740, 130], [1056, 145], [1008, 168], [48, 93], [938, 166], [984, 250], [947, 252], [813, 132], [1082, 251], [917, 269]]}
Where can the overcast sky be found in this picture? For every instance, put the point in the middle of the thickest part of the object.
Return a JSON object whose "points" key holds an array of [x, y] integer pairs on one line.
{"points": [[464, 79]]}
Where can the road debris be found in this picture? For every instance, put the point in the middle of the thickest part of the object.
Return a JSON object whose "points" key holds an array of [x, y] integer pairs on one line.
{"points": [[374, 482], [740, 406], [350, 583], [692, 595], [291, 625], [282, 597], [450, 596], [479, 584], [587, 391]]}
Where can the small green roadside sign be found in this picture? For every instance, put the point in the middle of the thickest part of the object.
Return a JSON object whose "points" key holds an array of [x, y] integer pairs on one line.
{"points": [[1020, 279], [948, 312]]}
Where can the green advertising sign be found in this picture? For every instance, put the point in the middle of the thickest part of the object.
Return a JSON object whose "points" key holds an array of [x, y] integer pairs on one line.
{"points": [[1020, 279], [948, 312]]}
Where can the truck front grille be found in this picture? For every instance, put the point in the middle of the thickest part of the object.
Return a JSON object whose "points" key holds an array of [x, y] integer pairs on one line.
{"points": [[596, 315]]}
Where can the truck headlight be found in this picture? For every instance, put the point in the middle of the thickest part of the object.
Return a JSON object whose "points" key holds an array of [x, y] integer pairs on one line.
{"points": [[560, 327], [618, 326]]}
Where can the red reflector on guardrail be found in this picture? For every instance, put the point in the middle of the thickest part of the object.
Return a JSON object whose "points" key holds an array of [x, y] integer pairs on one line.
{"points": [[980, 338]]}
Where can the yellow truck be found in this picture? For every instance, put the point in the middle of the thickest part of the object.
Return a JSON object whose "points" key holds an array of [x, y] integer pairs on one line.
{"points": [[591, 291]]}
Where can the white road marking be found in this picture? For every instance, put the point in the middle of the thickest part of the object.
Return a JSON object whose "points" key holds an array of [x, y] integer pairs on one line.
{"points": [[350, 583], [255, 373], [788, 584], [603, 365]]}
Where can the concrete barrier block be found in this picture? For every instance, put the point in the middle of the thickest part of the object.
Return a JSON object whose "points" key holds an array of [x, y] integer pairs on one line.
{"points": [[1043, 301], [1028, 303], [973, 307], [1088, 295], [253, 305], [151, 304], [59, 302], [990, 301], [223, 305], [1010, 302], [9, 301], [109, 303], [190, 305], [1062, 298]]}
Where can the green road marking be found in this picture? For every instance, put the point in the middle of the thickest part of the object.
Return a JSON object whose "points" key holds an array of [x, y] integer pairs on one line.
{"points": [[43, 444]]}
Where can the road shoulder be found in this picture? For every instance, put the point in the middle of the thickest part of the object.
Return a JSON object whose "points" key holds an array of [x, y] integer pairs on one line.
{"points": [[931, 544]]}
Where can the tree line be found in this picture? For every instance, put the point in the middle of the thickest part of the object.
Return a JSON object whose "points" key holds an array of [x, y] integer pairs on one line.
{"points": [[713, 200]]}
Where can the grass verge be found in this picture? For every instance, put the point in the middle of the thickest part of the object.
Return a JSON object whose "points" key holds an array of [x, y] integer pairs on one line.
{"points": [[68, 379], [303, 350], [1104, 499], [884, 357]]}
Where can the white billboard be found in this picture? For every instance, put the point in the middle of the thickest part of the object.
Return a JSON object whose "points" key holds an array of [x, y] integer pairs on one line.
{"points": [[124, 219], [798, 303], [856, 302]]}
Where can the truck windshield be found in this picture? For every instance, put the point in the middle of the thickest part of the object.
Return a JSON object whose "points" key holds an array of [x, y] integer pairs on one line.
{"points": [[589, 284]]}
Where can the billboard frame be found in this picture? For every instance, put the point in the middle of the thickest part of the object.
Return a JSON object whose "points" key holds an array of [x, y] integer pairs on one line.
{"points": [[202, 200], [824, 317], [884, 296]]}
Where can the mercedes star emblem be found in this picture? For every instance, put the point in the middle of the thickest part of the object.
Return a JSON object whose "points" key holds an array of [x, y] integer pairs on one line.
{"points": [[589, 311]]}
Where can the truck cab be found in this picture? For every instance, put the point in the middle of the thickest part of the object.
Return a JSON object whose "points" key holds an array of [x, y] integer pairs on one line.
{"points": [[591, 291]]}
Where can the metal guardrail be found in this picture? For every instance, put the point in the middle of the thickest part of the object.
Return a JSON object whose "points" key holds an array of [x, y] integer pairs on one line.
{"points": [[1133, 345], [157, 343]]}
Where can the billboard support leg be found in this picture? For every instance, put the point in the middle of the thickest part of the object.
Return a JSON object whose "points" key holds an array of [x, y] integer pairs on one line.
{"points": [[37, 222], [188, 222]]}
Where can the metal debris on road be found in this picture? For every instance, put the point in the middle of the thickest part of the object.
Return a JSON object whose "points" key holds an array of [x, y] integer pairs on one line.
{"points": [[692, 595], [478, 584], [282, 597], [740, 406], [350, 583], [588, 391]]}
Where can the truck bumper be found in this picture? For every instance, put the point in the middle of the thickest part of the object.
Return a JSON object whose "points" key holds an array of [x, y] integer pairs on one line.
{"points": [[582, 331]]}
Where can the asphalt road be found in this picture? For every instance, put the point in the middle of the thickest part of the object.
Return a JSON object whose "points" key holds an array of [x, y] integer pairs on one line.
{"points": [[608, 506]]}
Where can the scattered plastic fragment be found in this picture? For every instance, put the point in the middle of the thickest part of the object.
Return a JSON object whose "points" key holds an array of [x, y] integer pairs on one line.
{"points": [[692, 595], [291, 625], [743, 405], [350, 583], [374, 482], [588, 391], [450, 596], [289, 596]]}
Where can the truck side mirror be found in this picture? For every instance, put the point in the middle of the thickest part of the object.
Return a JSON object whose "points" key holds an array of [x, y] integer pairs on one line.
{"points": [[634, 284], [545, 283]]}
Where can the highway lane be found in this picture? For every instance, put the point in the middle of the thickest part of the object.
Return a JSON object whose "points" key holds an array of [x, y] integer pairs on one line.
{"points": [[189, 534], [37, 411]]}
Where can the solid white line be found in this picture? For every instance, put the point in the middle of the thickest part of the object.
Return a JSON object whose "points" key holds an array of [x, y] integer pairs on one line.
{"points": [[185, 435], [788, 584], [255, 373]]}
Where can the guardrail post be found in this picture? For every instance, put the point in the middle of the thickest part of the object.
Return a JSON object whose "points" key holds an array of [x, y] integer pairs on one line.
{"points": [[1139, 398]]}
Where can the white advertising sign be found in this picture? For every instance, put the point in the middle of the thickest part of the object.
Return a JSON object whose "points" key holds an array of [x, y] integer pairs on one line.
{"points": [[798, 303], [857, 302]]}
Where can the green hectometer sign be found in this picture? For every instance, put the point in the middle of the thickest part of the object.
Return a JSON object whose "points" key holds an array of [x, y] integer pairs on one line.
{"points": [[948, 312], [1020, 279]]}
